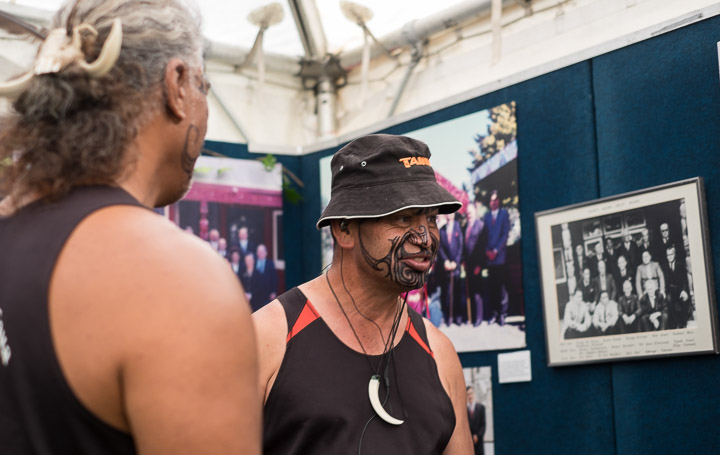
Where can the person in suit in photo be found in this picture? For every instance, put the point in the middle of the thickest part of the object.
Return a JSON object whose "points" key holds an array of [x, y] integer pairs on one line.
{"points": [[665, 242], [475, 261], [576, 317], [497, 223], [678, 290], [248, 278], [222, 248], [588, 288], [449, 258], [611, 255], [644, 242], [581, 260], [244, 243], [629, 249], [623, 272], [598, 257], [214, 238], [265, 283], [649, 270], [629, 309], [604, 282], [605, 316], [572, 282], [653, 308], [235, 262], [477, 420]]}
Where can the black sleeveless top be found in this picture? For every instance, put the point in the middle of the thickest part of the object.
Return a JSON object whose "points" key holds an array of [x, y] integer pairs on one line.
{"points": [[39, 414], [319, 402]]}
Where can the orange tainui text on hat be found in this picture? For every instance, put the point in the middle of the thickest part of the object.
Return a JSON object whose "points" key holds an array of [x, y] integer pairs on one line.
{"points": [[415, 160]]}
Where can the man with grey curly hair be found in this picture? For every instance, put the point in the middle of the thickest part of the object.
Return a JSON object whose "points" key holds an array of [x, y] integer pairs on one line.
{"points": [[119, 333]]}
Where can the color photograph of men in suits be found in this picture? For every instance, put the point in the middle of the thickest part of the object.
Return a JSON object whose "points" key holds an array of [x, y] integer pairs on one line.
{"points": [[476, 418], [478, 381], [497, 223], [473, 156]]}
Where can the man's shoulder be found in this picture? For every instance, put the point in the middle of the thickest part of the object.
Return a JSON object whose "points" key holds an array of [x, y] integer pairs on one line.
{"points": [[144, 246], [270, 318], [439, 342]]}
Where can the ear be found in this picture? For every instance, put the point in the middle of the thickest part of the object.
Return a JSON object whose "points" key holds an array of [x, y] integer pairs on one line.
{"points": [[176, 88], [343, 236]]}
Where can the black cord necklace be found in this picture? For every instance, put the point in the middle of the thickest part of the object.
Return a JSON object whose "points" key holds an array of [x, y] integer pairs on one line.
{"points": [[332, 290], [374, 384]]}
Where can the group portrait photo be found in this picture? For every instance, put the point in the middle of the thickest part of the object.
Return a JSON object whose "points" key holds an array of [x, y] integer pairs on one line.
{"points": [[474, 290]]}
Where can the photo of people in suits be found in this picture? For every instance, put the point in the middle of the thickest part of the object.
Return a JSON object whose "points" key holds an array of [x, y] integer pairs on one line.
{"points": [[636, 279], [475, 283], [480, 409], [236, 207]]}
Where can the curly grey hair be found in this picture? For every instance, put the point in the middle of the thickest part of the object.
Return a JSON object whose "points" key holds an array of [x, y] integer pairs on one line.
{"points": [[68, 129]]}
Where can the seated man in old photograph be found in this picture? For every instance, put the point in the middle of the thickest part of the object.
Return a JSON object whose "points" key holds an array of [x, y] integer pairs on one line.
{"points": [[653, 308], [629, 309], [576, 318], [605, 317], [678, 294]]}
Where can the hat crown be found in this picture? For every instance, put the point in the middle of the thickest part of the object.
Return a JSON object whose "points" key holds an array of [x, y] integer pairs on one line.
{"points": [[378, 159], [380, 174]]}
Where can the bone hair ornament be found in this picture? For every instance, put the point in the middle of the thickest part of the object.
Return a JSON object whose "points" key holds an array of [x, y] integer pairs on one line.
{"points": [[58, 51]]}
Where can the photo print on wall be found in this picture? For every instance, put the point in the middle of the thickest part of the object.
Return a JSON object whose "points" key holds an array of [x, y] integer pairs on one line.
{"points": [[478, 385], [474, 291], [236, 207], [628, 276]]}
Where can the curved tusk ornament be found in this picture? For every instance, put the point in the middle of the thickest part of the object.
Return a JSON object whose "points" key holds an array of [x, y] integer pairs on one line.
{"points": [[108, 55], [56, 53], [12, 88], [373, 393]]}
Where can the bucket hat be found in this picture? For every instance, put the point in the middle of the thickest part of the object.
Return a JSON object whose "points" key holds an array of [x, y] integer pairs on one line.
{"points": [[380, 174]]}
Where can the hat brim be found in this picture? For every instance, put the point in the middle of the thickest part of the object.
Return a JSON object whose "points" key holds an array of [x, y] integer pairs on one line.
{"points": [[377, 201]]}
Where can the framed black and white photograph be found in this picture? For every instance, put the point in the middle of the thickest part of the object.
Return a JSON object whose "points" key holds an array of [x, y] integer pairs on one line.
{"points": [[628, 276]]}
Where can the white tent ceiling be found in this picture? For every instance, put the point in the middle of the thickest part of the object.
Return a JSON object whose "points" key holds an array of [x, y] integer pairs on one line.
{"points": [[313, 92], [227, 21]]}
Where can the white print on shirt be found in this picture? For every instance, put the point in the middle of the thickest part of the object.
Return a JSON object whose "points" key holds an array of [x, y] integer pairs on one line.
{"points": [[5, 351]]}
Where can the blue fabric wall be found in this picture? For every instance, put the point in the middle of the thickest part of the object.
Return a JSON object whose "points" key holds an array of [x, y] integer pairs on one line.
{"points": [[643, 115], [657, 107]]}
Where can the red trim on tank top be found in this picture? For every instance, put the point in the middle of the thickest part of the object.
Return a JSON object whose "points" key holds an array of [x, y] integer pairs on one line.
{"points": [[410, 329], [307, 315]]}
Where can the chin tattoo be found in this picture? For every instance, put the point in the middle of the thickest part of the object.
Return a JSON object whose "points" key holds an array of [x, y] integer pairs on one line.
{"points": [[391, 264]]}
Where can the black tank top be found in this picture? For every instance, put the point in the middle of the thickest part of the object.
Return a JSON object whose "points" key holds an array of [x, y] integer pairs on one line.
{"points": [[319, 402], [39, 414]]}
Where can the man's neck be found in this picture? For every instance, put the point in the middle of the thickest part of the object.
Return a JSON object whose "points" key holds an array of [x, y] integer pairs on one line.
{"points": [[147, 164], [376, 302]]}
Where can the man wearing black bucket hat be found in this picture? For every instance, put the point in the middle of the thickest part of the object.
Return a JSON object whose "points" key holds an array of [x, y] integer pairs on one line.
{"points": [[345, 366]]}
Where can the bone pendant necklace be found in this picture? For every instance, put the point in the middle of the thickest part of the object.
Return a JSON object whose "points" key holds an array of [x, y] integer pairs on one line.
{"points": [[374, 384]]}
